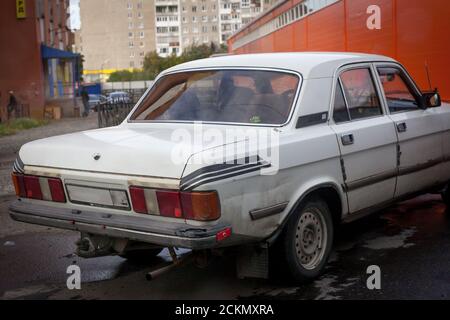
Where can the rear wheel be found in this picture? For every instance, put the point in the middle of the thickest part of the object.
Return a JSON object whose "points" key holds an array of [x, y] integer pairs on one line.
{"points": [[142, 255], [308, 240]]}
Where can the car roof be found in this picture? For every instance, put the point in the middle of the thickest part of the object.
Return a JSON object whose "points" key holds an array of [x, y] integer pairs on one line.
{"points": [[309, 64]]}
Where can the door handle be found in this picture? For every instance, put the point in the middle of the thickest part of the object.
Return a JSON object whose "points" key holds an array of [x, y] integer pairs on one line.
{"points": [[401, 126], [347, 139]]}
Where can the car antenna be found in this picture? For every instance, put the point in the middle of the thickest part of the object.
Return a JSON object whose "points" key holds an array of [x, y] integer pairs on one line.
{"points": [[428, 75]]}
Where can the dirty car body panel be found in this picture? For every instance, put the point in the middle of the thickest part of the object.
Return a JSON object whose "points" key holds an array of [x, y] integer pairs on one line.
{"points": [[361, 156]]}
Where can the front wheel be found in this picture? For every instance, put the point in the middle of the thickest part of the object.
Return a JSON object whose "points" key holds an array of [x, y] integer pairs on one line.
{"points": [[308, 239]]}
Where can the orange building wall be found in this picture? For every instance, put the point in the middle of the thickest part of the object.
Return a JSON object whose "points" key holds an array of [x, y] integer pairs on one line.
{"points": [[415, 32]]}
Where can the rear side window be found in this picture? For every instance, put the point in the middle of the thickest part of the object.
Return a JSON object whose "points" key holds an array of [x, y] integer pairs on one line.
{"points": [[340, 113], [360, 93], [399, 94]]}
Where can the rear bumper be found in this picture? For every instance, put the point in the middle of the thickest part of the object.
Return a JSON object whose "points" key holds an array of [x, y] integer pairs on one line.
{"points": [[119, 226]]}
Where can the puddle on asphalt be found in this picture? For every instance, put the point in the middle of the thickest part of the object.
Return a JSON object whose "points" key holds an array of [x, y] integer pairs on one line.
{"points": [[391, 242]]}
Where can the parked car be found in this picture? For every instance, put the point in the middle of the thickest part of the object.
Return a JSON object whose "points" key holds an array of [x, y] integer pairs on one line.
{"points": [[94, 100], [355, 134], [119, 96]]}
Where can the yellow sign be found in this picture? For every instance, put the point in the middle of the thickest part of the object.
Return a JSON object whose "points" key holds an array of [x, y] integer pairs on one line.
{"points": [[21, 9]]}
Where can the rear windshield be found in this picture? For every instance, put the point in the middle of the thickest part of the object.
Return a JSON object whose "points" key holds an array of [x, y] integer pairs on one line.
{"points": [[236, 96]]}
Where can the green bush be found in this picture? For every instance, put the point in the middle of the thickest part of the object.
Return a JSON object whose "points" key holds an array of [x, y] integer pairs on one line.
{"points": [[16, 125]]}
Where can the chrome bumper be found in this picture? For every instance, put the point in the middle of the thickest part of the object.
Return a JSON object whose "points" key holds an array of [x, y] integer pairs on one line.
{"points": [[119, 226]]}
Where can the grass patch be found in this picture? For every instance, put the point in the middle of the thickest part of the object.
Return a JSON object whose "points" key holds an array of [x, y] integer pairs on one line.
{"points": [[20, 124]]}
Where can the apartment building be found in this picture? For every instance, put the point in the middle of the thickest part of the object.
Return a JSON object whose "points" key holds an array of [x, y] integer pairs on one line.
{"points": [[183, 23], [114, 35], [167, 26], [35, 60], [199, 22], [234, 14]]}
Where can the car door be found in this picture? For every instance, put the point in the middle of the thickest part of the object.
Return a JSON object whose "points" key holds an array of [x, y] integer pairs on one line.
{"points": [[419, 131], [366, 138]]}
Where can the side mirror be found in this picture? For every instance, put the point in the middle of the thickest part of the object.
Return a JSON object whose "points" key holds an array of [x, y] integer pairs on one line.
{"points": [[431, 99]]}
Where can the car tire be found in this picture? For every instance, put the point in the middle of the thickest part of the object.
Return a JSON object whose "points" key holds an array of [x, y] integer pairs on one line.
{"points": [[307, 240], [141, 256]]}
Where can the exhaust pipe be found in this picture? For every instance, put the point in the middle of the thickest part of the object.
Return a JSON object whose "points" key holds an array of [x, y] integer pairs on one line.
{"points": [[177, 261]]}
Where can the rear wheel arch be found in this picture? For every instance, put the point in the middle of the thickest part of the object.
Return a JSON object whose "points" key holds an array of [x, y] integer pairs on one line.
{"points": [[328, 192]]}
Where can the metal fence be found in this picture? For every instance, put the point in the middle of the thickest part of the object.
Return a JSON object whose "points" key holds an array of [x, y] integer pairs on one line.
{"points": [[113, 113]]}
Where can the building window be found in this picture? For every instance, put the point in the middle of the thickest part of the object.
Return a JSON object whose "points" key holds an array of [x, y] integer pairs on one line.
{"points": [[141, 34], [185, 30], [131, 64], [194, 8], [204, 18], [194, 19], [195, 30], [131, 44], [141, 25], [129, 6], [130, 15], [130, 25], [142, 44], [130, 35], [204, 29], [140, 5], [142, 54], [140, 15], [132, 54]]}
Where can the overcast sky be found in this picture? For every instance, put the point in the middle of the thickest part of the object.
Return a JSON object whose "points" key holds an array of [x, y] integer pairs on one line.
{"points": [[75, 22]]}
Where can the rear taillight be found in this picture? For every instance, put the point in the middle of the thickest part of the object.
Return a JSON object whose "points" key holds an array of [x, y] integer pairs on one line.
{"points": [[200, 206], [33, 187], [138, 199], [56, 190], [39, 188], [19, 185]]}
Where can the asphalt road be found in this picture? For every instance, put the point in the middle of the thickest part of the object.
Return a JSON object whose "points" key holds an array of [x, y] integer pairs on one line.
{"points": [[410, 242]]}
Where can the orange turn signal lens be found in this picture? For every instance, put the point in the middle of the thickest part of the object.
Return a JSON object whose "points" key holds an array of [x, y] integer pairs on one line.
{"points": [[19, 185], [200, 206]]}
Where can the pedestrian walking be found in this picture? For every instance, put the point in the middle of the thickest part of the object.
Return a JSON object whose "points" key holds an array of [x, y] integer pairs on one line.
{"points": [[85, 99], [12, 105]]}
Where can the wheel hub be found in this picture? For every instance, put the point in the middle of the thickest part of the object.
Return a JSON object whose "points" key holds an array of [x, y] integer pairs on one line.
{"points": [[310, 239]]}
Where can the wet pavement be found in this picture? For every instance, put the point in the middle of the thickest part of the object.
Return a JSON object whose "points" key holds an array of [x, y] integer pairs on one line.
{"points": [[410, 242]]}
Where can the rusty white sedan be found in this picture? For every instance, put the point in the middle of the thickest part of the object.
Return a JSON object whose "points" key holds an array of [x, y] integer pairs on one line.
{"points": [[264, 153]]}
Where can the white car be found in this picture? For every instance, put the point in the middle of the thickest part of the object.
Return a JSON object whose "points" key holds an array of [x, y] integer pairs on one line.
{"points": [[350, 134], [118, 96]]}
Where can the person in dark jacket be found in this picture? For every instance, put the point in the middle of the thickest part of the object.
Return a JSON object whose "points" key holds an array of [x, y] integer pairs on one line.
{"points": [[12, 105], [85, 99]]}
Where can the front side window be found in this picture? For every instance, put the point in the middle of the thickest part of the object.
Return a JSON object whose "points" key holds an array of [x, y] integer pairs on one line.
{"points": [[360, 93], [234, 96], [399, 95]]}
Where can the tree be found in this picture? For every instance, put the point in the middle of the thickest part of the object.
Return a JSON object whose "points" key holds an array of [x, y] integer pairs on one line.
{"points": [[154, 64]]}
